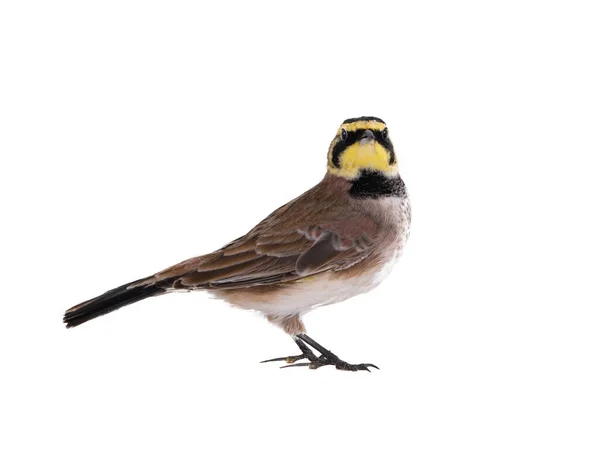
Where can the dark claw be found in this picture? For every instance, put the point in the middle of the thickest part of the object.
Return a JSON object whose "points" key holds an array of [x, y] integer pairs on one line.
{"points": [[352, 367], [290, 359], [296, 364], [341, 365], [365, 366], [312, 365]]}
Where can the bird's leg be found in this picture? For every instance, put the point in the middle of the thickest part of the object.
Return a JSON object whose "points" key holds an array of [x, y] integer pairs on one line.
{"points": [[327, 358], [306, 354]]}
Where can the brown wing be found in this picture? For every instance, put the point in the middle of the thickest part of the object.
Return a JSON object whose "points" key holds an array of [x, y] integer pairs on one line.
{"points": [[316, 232]]}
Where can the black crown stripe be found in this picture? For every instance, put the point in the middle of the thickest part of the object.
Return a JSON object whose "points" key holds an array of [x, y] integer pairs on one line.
{"points": [[363, 118]]}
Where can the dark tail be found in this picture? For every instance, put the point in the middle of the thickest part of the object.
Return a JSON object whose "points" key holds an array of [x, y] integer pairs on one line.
{"points": [[110, 301]]}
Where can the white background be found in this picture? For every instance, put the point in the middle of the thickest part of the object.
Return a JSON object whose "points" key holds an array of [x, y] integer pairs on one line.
{"points": [[137, 134]]}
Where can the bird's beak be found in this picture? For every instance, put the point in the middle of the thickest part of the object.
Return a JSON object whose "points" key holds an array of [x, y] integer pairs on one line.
{"points": [[367, 137]]}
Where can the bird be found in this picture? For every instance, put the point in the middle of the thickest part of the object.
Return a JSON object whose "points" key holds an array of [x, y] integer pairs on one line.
{"points": [[339, 239]]}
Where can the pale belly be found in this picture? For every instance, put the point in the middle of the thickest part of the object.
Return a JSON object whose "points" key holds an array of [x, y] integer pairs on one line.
{"points": [[312, 292]]}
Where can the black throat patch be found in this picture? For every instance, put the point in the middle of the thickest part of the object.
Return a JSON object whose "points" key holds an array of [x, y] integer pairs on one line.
{"points": [[373, 184]]}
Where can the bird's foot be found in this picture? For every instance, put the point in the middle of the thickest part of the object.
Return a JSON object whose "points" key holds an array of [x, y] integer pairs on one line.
{"points": [[334, 360], [306, 354], [326, 358]]}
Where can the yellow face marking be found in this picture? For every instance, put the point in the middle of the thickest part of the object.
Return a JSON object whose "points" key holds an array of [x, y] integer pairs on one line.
{"points": [[367, 156], [357, 157]]}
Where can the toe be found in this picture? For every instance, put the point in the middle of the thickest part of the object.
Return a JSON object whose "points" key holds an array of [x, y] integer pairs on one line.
{"points": [[278, 359], [290, 359], [296, 364]]}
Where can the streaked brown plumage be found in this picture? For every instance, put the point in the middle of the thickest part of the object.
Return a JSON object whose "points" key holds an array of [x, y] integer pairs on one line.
{"points": [[329, 244]]}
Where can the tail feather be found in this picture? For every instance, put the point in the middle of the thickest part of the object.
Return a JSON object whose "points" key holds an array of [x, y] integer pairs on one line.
{"points": [[111, 300]]}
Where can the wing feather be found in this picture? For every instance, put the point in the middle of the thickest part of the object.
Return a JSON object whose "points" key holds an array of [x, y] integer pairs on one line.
{"points": [[316, 232]]}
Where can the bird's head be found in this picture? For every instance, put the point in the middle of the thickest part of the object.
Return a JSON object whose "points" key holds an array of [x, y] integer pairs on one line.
{"points": [[362, 144]]}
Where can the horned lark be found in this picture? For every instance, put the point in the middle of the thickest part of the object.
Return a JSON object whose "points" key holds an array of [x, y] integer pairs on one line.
{"points": [[335, 241]]}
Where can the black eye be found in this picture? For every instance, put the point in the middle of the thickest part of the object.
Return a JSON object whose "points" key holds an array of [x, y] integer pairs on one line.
{"points": [[384, 133], [344, 135]]}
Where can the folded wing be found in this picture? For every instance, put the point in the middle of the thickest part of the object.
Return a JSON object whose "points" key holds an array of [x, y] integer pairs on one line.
{"points": [[266, 257]]}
